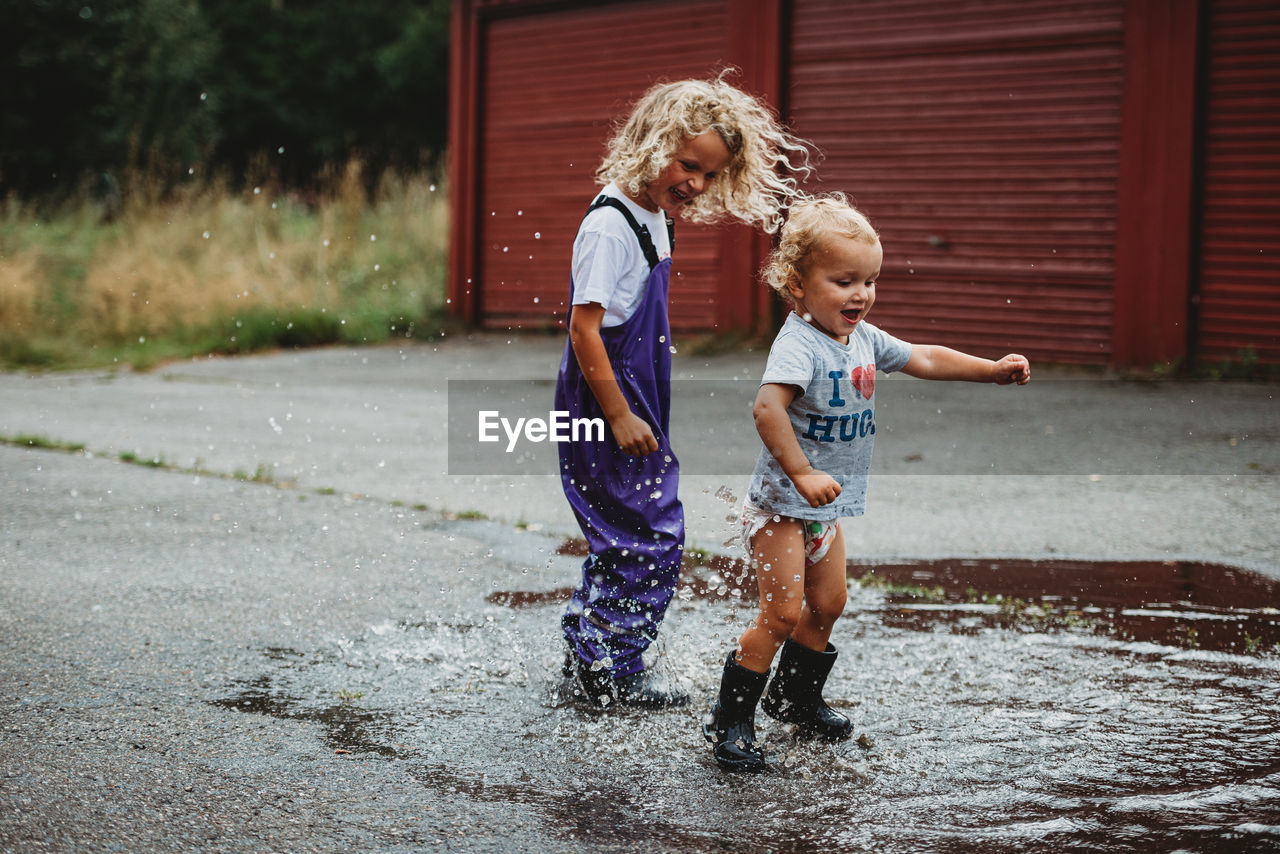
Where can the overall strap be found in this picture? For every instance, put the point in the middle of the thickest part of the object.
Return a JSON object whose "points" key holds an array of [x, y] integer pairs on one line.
{"points": [[642, 232]]}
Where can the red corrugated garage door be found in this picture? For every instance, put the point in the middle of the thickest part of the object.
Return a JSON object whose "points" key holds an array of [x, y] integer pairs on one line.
{"points": [[982, 138], [553, 82], [1239, 275]]}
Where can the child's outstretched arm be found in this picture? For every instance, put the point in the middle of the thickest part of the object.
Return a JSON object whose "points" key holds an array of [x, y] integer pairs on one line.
{"points": [[632, 433], [774, 426], [934, 362]]}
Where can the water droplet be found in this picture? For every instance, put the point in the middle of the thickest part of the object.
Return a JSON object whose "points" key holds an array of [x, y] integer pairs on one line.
{"points": [[537, 235]]}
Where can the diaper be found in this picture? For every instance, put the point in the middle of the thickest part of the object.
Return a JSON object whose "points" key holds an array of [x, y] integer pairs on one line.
{"points": [[818, 535]]}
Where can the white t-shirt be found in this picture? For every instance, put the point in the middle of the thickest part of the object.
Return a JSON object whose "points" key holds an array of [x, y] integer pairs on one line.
{"points": [[609, 266]]}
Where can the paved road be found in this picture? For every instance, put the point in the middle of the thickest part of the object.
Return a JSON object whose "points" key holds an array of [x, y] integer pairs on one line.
{"points": [[1067, 465], [328, 657]]}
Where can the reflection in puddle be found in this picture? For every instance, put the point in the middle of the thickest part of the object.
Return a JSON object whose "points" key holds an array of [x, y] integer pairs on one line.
{"points": [[1005, 705], [1187, 605]]}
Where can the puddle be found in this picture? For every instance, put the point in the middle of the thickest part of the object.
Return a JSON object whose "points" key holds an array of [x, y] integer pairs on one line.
{"points": [[1187, 605], [347, 729], [1005, 705]]}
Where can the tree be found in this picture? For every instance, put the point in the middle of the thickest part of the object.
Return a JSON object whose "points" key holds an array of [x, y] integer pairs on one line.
{"points": [[94, 86], [54, 62], [325, 80], [161, 70]]}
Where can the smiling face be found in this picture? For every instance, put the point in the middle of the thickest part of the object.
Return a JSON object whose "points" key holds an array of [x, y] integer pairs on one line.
{"points": [[836, 286], [694, 165]]}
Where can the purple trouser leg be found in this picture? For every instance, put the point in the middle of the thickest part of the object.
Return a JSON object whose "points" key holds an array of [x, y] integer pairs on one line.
{"points": [[629, 578], [626, 506]]}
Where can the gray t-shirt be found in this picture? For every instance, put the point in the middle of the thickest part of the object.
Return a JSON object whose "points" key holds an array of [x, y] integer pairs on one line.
{"points": [[834, 416]]}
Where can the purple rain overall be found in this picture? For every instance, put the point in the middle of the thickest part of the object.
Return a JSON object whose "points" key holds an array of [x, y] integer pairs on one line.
{"points": [[626, 506]]}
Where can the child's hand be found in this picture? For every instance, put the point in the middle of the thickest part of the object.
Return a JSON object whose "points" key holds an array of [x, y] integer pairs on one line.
{"points": [[1013, 369], [634, 435], [816, 486]]}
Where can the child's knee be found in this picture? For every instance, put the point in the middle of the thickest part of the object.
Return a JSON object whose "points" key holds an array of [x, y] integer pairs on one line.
{"points": [[828, 605], [780, 618]]}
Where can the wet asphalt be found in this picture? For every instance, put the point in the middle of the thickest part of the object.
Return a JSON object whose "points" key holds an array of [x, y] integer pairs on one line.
{"points": [[278, 603]]}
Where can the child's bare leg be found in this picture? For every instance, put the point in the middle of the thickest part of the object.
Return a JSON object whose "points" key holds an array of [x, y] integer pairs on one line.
{"points": [[825, 593], [795, 694], [778, 554]]}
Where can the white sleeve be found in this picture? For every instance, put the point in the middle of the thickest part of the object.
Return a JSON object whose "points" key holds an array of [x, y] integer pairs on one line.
{"points": [[600, 260]]}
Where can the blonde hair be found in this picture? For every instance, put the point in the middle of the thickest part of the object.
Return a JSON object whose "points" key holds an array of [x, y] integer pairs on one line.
{"points": [[765, 160], [811, 219]]}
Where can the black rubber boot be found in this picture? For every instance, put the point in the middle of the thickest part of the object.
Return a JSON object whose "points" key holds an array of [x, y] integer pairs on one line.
{"points": [[645, 690], [795, 697], [732, 728], [638, 690]]}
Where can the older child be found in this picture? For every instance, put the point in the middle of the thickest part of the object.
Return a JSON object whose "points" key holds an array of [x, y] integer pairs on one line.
{"points": [[815, 412], [706, 151]]}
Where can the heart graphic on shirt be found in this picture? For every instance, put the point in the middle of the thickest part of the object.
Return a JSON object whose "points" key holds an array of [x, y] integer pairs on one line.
{"points": [[864, 380]]}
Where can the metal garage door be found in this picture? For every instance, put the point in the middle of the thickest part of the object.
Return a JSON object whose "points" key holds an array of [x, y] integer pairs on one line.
{"points": [[1239, 272], [553, 82], [982, 138]]}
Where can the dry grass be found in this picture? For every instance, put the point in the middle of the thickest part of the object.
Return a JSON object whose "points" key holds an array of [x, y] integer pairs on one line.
{"points": [[19, 292], [212, 270]]}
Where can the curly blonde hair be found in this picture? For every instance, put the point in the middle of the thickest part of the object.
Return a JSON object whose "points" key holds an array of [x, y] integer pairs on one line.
{"points": [[811, 219], [765, 160]]}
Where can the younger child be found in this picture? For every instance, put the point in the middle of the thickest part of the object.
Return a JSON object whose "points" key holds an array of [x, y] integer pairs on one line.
{"points": [[815, 412], [705, 151]]}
